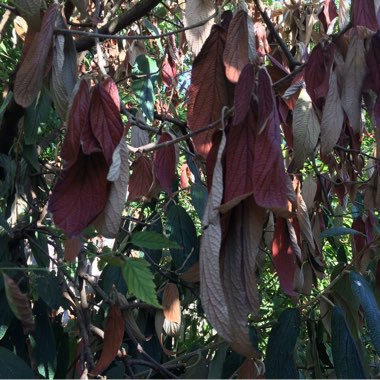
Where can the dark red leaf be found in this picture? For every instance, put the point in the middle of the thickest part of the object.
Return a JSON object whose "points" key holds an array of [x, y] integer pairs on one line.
{"points": [[283, 256], [164, 163], [359, 240], [169, 71], [209, 90], [267, 106], [29, 76], [328, 14], [243, 93], [377, 111], [363, 13], [269, 176], [239, 158], [317, 72], [77, 119], [110, 87], [105, 120], [80, 194], [373, 63], [141, 178], [113, 337]]}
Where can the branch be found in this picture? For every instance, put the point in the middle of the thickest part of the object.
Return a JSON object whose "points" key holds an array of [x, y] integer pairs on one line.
{"points": [[105, 36], [116, 25], [292, 62]]}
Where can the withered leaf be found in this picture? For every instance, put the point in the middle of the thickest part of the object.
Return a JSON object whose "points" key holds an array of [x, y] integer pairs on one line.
{"points": [[111, 217], [197, 11], [113, 337], [332, 117], [212, 294], [306, 130], [19, 304], [172, 309], [354, 71], [30, 74], [209, 90]]}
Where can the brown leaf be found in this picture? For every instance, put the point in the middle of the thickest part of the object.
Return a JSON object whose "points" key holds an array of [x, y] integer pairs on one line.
{"points": [[197, 11], [354, 72], [113, 337], [29, 76], [211, 289], [172, 310], [19, 304], [309, 190], [332, 118], [111, 217], [141, 178], [209, 91], [192, 274], [72, 248], [306, 130], [235, 55]]}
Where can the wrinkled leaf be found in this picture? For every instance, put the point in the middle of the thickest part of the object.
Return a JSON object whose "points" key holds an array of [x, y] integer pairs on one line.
{"points": [[141, 178]]}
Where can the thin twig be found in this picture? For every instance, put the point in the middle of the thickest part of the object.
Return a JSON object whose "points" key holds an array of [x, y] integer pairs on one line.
{"points": [[102, 36]]}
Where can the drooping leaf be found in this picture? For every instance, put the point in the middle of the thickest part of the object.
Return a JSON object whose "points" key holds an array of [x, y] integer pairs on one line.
{"points": [[141, 178], [81, 194], [280, 361], [151, 240], [269, 177], [164, 163], [169, 72], [284, 257], [105, 120], [212, 294], [154, 256], [240, 248], [36, 114], [112, 275], [111, 218], [209, 90], [338, 231], [172, 310], [139, 279], [372, 59], [143, 88], [19, 304], [318, 71], [354, 68], [345, 355], [332, 118], [365, 296], [306, 130], [199, 197], [197, 11], [48, 289], [77, 120], [363, 13], [30, 10], [113, 337], [43, 342], [13, 367], [343, 13], [235, 55], [182, 231], [29, 76], [243, 93]]}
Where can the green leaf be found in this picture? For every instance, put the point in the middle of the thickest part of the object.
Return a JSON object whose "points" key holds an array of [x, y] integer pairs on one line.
{"points": [[279, 361], [154, 256], [151, 240], [345, 354], [338, 231], [4, 225], [139, 279], [43, 341], [199, 195], [113, 275], [36, 114], [6, 315], [216, 366], [39, 246], [364, 295], [143, 88], [49, 290], [12, 367], [184, 233]]}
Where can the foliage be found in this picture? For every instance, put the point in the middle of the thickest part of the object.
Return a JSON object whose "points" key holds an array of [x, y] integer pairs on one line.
{"points": [[189, 189]]}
